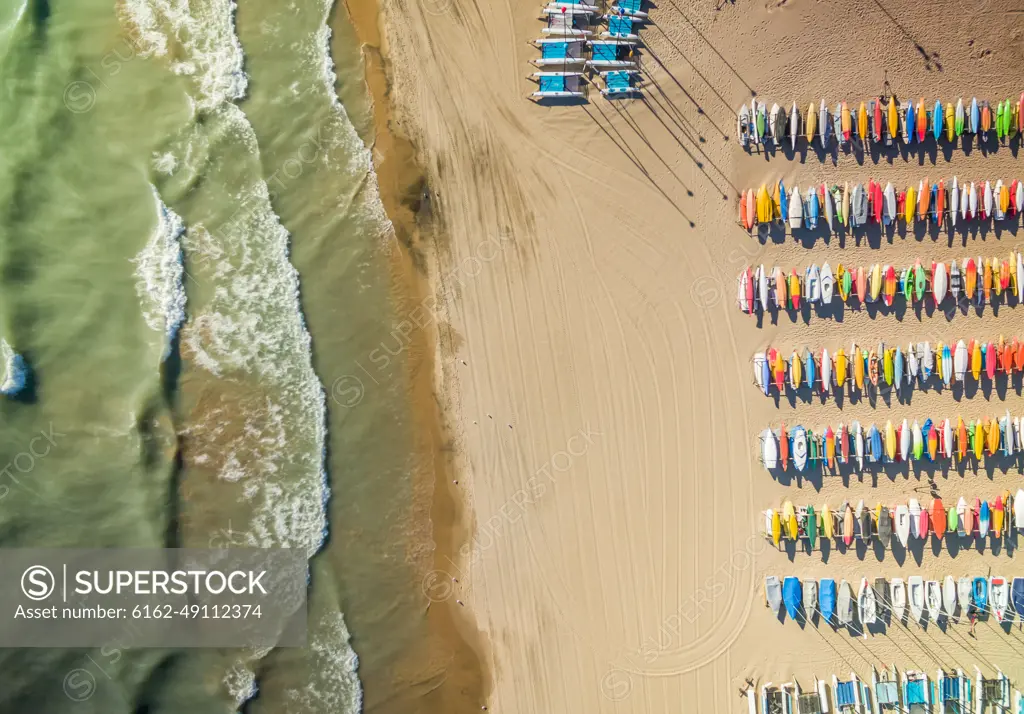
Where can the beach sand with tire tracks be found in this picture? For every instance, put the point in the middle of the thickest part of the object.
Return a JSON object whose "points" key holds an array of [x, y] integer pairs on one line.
{"points": [[597, 372]]}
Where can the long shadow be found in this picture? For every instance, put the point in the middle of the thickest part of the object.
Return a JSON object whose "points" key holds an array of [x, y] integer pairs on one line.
{"points": [[714, 49], [700, 109], [700, 164], [635, 126], [623, 146], [931, 59]]}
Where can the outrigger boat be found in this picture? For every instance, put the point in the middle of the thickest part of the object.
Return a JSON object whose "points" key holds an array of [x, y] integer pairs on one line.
{"points": [[993, 695], [954, 692], [558, 84], [886, 690], [850, 696], [612, 53], [559, 51], [917, 692]]}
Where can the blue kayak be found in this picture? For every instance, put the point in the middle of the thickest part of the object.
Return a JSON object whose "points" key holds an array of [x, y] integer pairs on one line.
{"points": [[975, 116], [898, 368], [875, 442], [937, 120], [783, 201], [980, 594], [809, 369], [765, 372], [911, 123], [792, 596], [1017, 597], [925, 430], [827, 599]]}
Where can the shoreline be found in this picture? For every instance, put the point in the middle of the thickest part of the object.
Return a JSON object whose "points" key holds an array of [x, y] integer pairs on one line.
{"points": [[451, 678]]}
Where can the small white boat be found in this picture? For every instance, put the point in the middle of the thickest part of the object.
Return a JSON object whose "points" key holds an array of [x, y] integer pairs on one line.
{"points": [[947, 438], [939, 283], [905, 437], [794, 126], [889, 206], [773, 593], [844, 604], [762, 288], [799, 447], [769, 449], [858, 443], [810, 597], [796, 207], [949, 596], [826, 372], [827, 282], [914, 507], [777, 124], [760, 362], [933, 599], [1018, 512], [954, 201], [960, 361], [898, 593], [915, 595], [866, 604], [999, 596], [997, 211], [902, 524], [964, 592]]}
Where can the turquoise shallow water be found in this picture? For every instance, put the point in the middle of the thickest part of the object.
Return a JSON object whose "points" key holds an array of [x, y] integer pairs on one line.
{"points": [[165, 166]]}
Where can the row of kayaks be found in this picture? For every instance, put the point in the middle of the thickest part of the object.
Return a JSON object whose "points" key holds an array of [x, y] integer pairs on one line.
{"points": [[910, 691], [880, 120], [924, 599], [939, 440], [862, 204], [761, 289], [904, 521], [894, 367]]}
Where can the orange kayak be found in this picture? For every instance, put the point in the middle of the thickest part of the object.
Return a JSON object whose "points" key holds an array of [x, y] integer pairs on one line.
{"points": [[938, 518], [784, 446], [986, 280], [961, 434], [971, 278]]}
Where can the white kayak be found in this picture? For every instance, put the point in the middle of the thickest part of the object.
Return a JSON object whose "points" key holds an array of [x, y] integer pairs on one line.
{"points": [[827, 282], [960, 361], [902, 520], [954, 201], [794, 125], [796, 209], [939, 283], [769, 449], [898, 594]]}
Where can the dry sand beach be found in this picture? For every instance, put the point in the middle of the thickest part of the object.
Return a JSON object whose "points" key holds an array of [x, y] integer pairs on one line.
{"points": [[596, 373]]}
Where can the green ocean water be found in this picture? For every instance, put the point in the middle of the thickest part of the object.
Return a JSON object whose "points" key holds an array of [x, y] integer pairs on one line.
{"points": [[190, 259]]}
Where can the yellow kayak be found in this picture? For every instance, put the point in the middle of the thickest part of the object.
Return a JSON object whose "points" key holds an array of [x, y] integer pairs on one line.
{"points": [[979, 439], [776, 528], [858, 371], [796, 369], [1004, 198], [890, 440], [976, 360], [1013, 273], [847, 125], [862, 122], [911, 204], [840, 367], [876, 281], [887, 368], [893, 122], [993, 437], [789, 516], [997, 517], [827, 523], [878, 515], [794, 285], [812, 122], [846, 202], [950, 121], [763, 205]]}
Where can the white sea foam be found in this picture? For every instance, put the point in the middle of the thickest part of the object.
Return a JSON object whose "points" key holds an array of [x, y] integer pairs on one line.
{"points": [[333, 685], [15, 370], [159, 275], [252, 323], [205, 32]]}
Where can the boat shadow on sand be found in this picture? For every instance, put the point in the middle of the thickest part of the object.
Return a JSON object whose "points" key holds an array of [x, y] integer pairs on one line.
{"points": [[923, 153], [875, 235], [900, 309], [998, 389]]}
